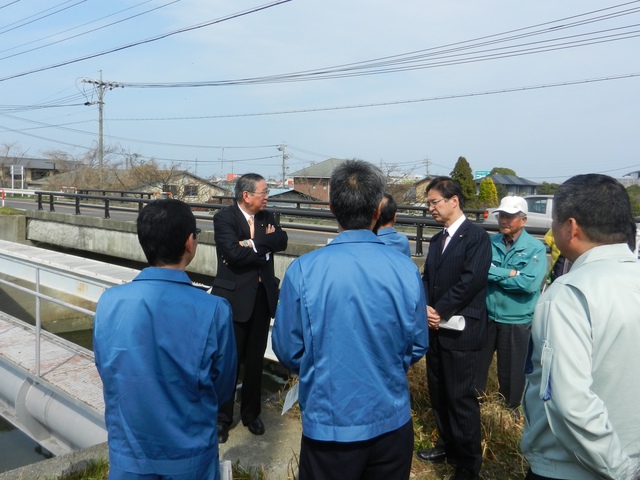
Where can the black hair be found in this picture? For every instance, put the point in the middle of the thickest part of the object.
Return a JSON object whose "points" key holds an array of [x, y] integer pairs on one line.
{"points": [[447, 187], [356, 188], [163, 229], [601, 207], [388, 209]]}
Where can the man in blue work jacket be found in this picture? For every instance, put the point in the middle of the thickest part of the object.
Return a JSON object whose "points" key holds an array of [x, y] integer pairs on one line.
{"points": [[165, 351], [350, 321]]}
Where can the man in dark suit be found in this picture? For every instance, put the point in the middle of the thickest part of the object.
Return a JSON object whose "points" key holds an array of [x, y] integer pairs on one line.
{"points": [[455, 280], [247, 237]]}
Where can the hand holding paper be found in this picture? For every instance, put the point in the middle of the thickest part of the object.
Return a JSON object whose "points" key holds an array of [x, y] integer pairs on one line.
{"points": [[456, 322]]}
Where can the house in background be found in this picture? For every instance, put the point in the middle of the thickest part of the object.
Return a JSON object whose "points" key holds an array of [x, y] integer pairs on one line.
{"points": [[179, 184], [511, 185], [417, 193], [276, 194], [631, 178], [185, 186], [21, 171], [314, 179]]}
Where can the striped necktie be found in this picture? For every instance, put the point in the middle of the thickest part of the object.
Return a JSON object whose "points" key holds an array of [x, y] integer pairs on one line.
{"points": [[443, 239]]}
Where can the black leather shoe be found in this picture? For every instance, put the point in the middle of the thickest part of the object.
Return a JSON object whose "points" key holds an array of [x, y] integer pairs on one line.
{"points": [[463, 474], [223, 433], [256, 427], [433, 455]]}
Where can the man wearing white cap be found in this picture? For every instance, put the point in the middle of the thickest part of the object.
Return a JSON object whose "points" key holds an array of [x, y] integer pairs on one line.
{"points": [[518, 267]]}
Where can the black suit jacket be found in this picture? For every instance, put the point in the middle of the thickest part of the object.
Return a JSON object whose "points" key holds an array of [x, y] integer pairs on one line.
{"points": [[455, 283], [240, 267]]}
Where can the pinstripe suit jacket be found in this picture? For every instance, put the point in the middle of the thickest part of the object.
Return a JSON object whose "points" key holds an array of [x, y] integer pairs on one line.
{"points": [[455, 283]]}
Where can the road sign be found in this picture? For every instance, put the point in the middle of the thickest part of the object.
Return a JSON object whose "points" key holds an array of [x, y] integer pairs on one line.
{"points": [[481, 174]]}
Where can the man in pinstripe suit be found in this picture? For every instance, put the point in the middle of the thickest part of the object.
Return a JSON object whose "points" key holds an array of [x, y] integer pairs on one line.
{"points": [[455, 280]]}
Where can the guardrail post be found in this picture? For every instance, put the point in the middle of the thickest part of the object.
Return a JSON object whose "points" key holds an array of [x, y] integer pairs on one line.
{"points": [[77, 205], [419, 241], [51, 201], [39, 201], [38, 323], [106, 208]]}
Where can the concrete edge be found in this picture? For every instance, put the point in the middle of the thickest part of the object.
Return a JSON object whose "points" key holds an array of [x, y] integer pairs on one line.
{"points": [[57, 467]]}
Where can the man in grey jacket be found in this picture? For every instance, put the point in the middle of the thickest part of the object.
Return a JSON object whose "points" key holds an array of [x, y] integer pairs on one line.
{"points": [[580, 401]]}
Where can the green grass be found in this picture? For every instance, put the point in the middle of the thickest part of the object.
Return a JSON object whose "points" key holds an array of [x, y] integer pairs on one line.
{"points": [[99, 470], [10, 211]]}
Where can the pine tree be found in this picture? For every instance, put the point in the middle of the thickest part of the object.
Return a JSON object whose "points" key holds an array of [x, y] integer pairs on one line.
{"points": [[462, 174]]}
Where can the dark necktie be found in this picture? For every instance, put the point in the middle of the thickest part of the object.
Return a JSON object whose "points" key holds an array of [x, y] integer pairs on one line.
{"points": [[443, 239]]}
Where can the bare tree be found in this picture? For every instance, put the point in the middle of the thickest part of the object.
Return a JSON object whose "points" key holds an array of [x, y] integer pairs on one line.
{"points": [[399, 183], [8, 153]]}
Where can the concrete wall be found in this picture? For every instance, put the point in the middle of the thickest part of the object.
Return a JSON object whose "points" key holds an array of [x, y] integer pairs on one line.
{"points": [[118, 238], [13, 228]]}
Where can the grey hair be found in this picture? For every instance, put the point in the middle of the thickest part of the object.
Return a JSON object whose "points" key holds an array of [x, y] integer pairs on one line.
{"points": [[246, 183]]}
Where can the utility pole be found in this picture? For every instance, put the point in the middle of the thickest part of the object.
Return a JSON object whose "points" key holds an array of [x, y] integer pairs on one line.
{"points": [[222, 175], [427, 163], [285, 156], [100, 87]]}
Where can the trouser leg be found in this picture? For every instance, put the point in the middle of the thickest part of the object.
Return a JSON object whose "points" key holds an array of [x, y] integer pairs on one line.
{"points": [[256, 344], [486, 358], [512, 345]]}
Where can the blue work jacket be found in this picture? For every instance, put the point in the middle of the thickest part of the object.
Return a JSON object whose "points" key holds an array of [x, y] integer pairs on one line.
{"points": [[350, 321], [165, 351]]}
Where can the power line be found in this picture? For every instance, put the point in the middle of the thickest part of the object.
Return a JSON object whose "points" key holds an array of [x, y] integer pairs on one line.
{"points": [[148, 40], [445, 55], [8, 4], [40, 18], [393, 102], [134, 140], [83, 33]]}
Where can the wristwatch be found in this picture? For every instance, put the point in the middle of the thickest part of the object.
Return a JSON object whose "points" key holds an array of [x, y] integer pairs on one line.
{"points": [[246, 243]]}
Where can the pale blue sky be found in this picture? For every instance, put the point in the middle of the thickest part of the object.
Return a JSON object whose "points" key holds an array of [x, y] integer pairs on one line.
{"points": [[439, 113]]}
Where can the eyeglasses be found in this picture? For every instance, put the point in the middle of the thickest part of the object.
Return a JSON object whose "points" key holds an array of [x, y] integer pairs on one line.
{"points": [[196, 232], [433, 203], [264, 193]]}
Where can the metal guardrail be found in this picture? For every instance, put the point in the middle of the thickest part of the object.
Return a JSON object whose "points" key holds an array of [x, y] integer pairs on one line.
{"points": [[303, 209], [38, 268], [409, 216]]}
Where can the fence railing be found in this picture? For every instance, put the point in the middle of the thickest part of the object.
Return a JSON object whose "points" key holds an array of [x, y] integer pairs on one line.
{"points": [[414, 218], [39, 296]]}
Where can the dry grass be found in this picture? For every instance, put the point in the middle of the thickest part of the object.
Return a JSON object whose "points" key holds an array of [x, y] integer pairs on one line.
{"points": [[501, 431]]}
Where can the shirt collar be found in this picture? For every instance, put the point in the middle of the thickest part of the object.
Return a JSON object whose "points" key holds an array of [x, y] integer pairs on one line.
{"points": [[453, 228], [246, 215]]}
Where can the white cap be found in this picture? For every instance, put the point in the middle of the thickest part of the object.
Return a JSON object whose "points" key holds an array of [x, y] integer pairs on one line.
{"points": [[513, 205]]}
